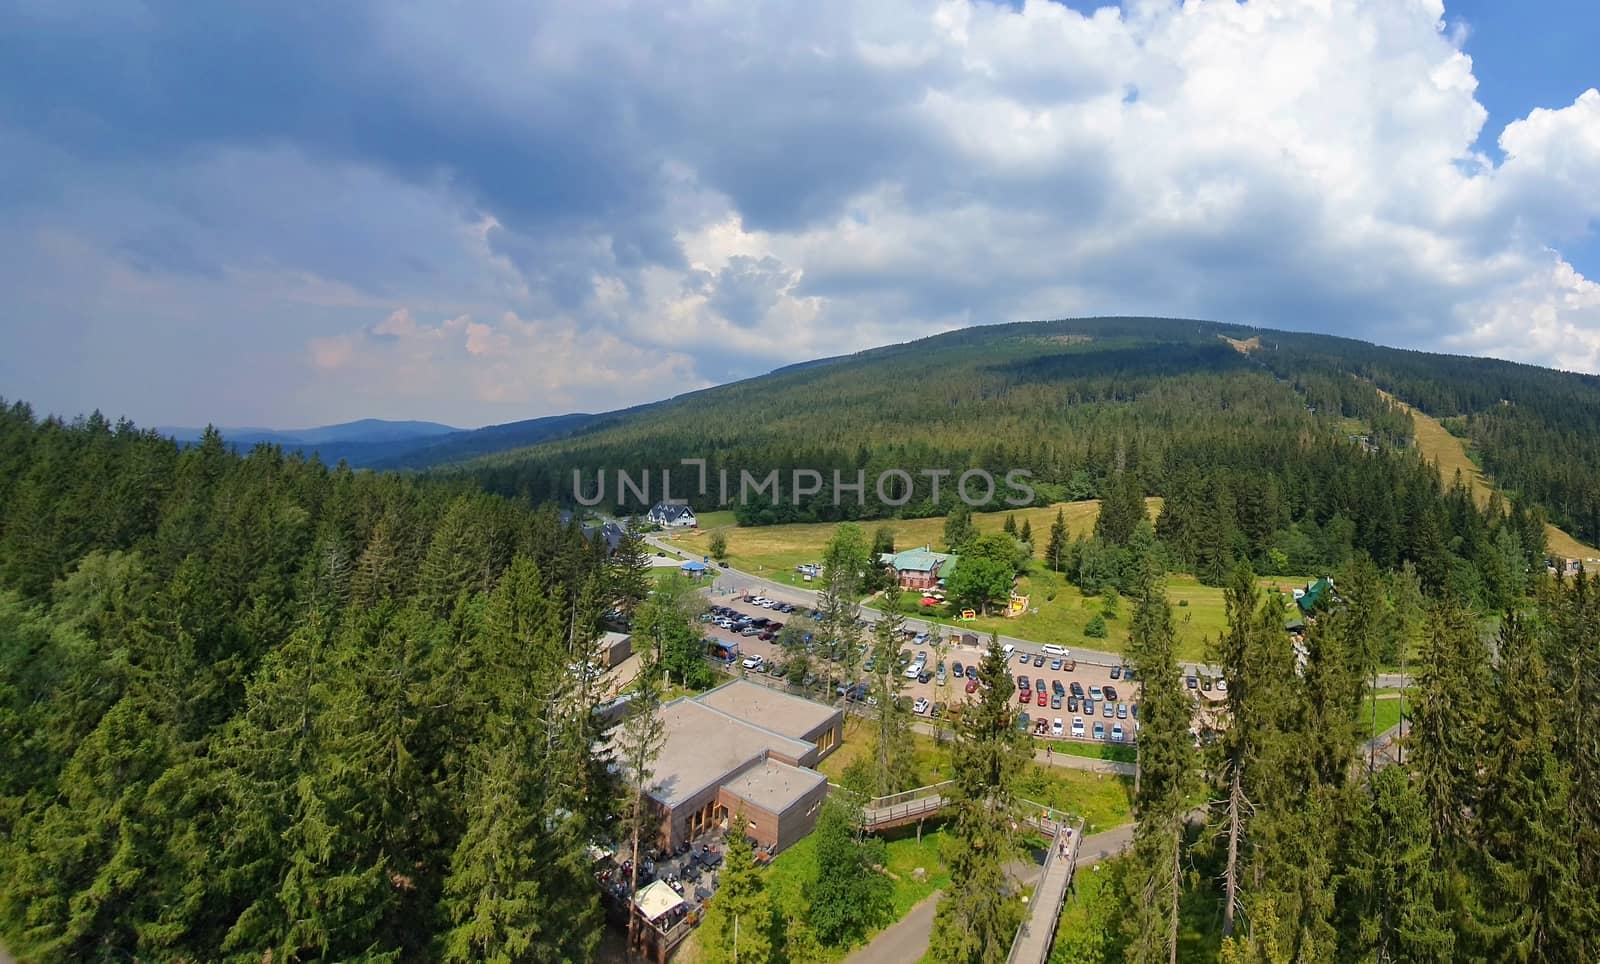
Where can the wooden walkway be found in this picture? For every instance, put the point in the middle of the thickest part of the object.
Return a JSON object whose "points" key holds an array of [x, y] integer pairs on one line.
{"points": [[900, 809], [1034, 937]]}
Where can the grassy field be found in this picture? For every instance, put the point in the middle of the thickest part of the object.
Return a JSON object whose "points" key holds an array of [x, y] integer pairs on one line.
{"points": [[1388, 713], [1436, 444], [774, 551], [932, 760], [1096, 751]]}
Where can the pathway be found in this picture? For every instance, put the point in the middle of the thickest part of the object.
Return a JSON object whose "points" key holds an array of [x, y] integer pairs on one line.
{"points": [[1032, 944], [904, 940]]}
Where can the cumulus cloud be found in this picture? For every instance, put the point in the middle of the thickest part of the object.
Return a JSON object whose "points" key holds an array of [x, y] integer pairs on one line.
{"points": [[599, 204]]}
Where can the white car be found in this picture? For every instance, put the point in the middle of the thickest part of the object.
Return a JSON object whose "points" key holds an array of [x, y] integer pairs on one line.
{"points": [[759, 600], [1116, 733], [1056, 729], [1022, 659], [754, 662], [1077, 727], [921, 706], [1222, 685], [1096, 694], [1051, 649], [913, 671]]}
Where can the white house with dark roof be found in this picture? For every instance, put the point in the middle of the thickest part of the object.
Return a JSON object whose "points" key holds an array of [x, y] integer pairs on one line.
{"points": [[671, 515]]}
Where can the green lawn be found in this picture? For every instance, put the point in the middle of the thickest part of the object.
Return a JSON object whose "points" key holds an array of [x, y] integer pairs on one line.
{"points": [[932, 761], [1104, 800], [1096, 751], [1388, 714]]}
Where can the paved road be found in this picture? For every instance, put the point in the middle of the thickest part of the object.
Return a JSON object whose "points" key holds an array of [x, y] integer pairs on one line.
{"points": [[737, 581], [904, 940]]}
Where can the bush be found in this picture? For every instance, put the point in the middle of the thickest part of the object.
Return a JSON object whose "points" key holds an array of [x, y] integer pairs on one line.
{"points": [[1183, 602], [1096, 628]]}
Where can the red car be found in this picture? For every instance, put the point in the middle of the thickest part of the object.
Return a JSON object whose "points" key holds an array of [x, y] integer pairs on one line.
{"points": [[1044, 698], [972, 686], [1023, 696]]}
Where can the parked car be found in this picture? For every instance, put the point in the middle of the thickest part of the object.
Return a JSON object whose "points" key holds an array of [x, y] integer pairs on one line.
{"points": [[1096, 693], [924, 676], [1058, 688], [1116, 733], [1110, 709], [1044, 698], [1038, 683], [938, 675], [1055, 701], [957, 670], [1038, 659], [753, 662], [921, 706], [1133, 711], [938, 710], [972, 686], [1222, 685], [1056, 727], [1024, 723], [1023, 658], [1077, 689], [1205, 684], [1111, 692], [1051, 649], [1122, 711], [1072, 704], [1193, 682], [913, 671], [1077, 727], [1099, 730], [1055, 664], [750, 629], [1116, 672], [1088, 707]]}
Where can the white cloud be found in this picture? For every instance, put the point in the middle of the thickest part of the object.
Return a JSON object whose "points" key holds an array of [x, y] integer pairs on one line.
{"points": [[596, 205]]}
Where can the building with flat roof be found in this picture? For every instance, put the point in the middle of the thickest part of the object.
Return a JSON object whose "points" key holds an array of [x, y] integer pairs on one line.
{"points": [[742, 748]]}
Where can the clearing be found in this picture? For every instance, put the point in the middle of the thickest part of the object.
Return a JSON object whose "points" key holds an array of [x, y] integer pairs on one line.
{"points": [[1436, 444]]}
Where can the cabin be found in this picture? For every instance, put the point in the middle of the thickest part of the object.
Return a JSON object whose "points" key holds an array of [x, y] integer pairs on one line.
{"points": [[671, 515]]}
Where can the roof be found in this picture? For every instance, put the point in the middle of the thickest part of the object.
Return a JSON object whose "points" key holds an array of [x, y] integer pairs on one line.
{"points": [[774, 786], [656, 900], [703, 745], [610, 639], [916, 560], [694, 566], [610, 532], [1313, 594], [791, 716], [670, 511]]}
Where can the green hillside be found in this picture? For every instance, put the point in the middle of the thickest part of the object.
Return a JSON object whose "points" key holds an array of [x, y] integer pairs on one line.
{"points": [[1268, 447]]}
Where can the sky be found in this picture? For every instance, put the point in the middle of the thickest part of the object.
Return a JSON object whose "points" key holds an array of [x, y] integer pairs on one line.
{"points": [[291, 214]]}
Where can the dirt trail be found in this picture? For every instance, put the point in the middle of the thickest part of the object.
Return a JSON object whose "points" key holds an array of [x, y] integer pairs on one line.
{"points": [[1436, 444]]}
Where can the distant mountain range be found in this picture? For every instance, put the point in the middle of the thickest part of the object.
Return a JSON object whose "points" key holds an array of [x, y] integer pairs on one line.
{"points": [[381, 443]]}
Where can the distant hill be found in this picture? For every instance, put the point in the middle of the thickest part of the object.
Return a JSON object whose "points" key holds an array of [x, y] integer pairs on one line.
{"points": [[362, 431], [383, 444], [1074, 400]]}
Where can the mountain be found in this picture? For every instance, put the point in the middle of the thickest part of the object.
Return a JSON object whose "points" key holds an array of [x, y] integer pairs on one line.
{"points": [[1076, 401], [361, 431], [378, 443]]}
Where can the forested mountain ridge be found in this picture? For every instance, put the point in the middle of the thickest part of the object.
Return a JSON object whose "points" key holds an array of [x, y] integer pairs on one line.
{"points": [[1077, 401]]}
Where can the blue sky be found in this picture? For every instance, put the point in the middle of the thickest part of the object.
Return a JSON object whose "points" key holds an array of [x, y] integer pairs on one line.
{"points": [[277, 214]]}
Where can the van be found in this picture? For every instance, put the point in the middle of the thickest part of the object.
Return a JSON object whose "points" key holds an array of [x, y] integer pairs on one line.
{"points": [[1008, 650], [1051, 649]]}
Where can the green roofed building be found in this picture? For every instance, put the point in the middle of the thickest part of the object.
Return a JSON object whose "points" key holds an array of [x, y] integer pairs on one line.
{"points": [[918, 568], [1314, 594]]}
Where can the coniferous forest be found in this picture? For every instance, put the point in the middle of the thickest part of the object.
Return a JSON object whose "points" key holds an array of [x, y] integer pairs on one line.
{"points": [[259, 709]]}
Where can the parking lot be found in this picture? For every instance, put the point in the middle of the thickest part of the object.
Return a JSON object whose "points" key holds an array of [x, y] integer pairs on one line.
{"points": [[928, 694]]}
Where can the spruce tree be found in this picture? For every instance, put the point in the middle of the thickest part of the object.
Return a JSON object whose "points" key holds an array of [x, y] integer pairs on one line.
{"points": [[1165, 773], [847, 896], [893, 767], [1025, 536], [979, 914], [1390, 886], [739, 922], [1056, 552], [630, 572]]}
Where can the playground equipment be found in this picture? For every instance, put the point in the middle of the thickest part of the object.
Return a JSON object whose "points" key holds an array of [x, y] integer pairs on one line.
{"points": [[967, 615], [1017, 606]]}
